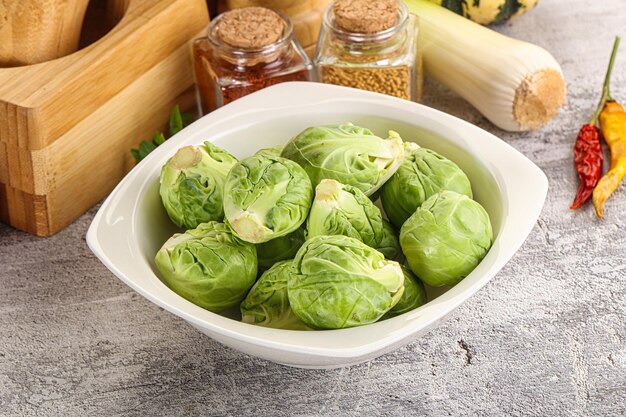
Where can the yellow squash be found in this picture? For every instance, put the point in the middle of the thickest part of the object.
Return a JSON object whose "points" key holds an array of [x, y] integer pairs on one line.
{"points": [[486, 12]]}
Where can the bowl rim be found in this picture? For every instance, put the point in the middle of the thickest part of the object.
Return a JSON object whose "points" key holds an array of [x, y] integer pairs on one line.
{"points": [[302, 95]]}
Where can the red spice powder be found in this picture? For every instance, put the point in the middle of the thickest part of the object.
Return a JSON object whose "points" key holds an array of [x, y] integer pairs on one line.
{"points": [[220, 81]]}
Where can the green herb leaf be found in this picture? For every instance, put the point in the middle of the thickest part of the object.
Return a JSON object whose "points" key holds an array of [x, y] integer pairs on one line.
{"points": [[136, 154], [176, 121], [158, 138], [187, 119], [146, 147]]}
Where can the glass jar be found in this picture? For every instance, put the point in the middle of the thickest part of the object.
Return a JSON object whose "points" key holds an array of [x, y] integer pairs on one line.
{"points": [[225, 73], [388, 61]]}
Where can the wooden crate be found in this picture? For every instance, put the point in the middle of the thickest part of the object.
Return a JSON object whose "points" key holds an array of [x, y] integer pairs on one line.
{"points": [[67, 126]]}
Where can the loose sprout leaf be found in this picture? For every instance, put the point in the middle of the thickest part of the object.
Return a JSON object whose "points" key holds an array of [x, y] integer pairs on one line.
{"points": [[273, 151]]}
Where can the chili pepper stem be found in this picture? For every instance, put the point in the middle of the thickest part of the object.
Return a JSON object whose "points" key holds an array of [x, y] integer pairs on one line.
{"points": [[606, 88]]}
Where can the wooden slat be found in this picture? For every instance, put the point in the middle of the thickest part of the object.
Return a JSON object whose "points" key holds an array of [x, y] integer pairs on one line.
{"points": [[24, 211], [4, 164], [77, 193], [98, 168], [63, 92], [122, 120], [4, 205], [67, 142]]}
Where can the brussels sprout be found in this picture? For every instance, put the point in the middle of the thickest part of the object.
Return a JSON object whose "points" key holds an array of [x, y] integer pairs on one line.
{"points": [[273, 151], [267, 303], [414, 295], [339, 282], [192, 183], [349, 154], [446, 238], [266, 197], [208, 266], [422, 174], [340, 209], [389, 244], [281, 248]]}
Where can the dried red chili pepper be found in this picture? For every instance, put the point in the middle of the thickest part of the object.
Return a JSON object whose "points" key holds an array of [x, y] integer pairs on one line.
{"points": [[588, 156]]}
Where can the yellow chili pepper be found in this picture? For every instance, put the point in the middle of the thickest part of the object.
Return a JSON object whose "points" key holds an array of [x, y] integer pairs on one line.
{"points": [[613, 126]]}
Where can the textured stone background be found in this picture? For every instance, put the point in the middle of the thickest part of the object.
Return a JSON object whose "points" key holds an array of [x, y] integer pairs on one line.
{"points": [[546, 337]]}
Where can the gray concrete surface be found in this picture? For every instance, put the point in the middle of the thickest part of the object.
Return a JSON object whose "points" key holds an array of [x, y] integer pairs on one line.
{"points": [[546, 337]]}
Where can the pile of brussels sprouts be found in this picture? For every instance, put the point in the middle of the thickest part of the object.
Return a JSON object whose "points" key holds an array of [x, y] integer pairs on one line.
{"points": [[292, 237]]}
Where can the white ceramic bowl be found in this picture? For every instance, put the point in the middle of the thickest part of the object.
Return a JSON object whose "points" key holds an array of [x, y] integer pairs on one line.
{"points": [[132, 225]]}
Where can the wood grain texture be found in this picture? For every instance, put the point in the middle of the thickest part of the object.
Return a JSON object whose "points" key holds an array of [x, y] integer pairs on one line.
{"points": [[42, 102], [77, 177], [90, 153], [545, 337], [34, 31], [112, 129]]}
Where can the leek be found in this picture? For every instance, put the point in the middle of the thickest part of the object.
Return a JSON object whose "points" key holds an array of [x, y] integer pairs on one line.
{"points": [[518, 86]]}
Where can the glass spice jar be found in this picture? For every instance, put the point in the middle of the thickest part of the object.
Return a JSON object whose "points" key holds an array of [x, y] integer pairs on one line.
{"points": [[244, 51], [371, 45]]}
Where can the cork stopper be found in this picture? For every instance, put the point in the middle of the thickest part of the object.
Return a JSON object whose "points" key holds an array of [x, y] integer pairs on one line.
{"points": [[250, 27], [538, 99], [365, 16]]}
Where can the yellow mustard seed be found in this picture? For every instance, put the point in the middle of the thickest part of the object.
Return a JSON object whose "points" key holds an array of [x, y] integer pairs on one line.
{"points": [[393, 81]]}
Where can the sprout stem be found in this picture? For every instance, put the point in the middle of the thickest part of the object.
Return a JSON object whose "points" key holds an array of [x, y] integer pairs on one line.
{"points": [[606, 89]]}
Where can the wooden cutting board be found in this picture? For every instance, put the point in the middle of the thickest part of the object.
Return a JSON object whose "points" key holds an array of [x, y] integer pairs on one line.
{"points": [[67, 125]]}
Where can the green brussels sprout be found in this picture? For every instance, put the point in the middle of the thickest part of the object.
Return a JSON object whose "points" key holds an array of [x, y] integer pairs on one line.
{"points": [[414, 295], [349, 154], [340, 209], [192, 183], [446, 238], [339, 282], [208, 266], [266, 197], [422, 174], [273, 151], [279, 249], [267, 303], [389, 244]]}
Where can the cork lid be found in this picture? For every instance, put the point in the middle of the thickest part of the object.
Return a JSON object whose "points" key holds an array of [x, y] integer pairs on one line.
{"points": [[250, 27], [365, 16]]}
